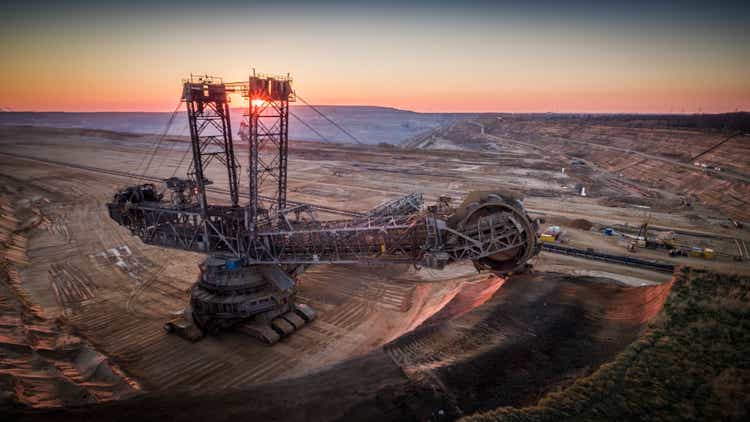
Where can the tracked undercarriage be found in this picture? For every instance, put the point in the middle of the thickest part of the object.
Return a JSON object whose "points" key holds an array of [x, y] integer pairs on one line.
{"points": [[258, 300]]}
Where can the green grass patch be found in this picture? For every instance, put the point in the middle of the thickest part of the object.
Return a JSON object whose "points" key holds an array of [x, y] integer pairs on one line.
{"points": [[693, 363]]}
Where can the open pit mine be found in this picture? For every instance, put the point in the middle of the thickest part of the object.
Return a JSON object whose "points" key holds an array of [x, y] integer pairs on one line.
{"points": [[495, 267]]}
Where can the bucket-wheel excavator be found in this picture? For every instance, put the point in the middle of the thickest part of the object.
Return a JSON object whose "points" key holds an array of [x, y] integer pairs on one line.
{"points": [[257, 249]]}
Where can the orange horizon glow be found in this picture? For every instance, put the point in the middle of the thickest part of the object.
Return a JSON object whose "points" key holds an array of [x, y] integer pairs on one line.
{"points": [[677, 103], [502, 97], [487, 59]]}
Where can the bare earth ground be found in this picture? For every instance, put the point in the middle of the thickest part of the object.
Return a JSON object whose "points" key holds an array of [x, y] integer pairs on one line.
{"points": [[487, 341], [535, 333]]}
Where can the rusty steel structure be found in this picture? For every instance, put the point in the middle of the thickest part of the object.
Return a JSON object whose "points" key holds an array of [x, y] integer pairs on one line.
{"points": [[257, 249]]}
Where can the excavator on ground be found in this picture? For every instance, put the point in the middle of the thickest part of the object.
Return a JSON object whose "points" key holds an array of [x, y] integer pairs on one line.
{"points": [[257, 249]]}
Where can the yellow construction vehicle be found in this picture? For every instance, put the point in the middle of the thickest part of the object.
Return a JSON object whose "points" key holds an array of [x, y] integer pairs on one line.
{"points": [[551, 234], [641, 240], [705, 253]]}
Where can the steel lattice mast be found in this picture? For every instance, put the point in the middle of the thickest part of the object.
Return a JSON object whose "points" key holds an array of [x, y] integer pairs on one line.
{"points": [[210, 132], [268, 124]]}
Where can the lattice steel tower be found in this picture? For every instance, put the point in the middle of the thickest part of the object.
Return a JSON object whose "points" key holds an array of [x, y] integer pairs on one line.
{"points": [[210, 132], [268, 137]]}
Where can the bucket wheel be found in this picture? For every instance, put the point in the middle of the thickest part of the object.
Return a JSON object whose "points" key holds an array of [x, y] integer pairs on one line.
{"points": [[483, 204]]}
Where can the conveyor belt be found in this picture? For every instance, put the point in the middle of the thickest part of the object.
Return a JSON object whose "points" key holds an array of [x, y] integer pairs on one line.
{"points": [[615, 259]]}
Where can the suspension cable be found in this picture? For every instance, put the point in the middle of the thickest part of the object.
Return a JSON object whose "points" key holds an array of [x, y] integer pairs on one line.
{"points": [[349, 134], [307, 125], [153, 147], [165, 157], [182, 159], [159, 141]]}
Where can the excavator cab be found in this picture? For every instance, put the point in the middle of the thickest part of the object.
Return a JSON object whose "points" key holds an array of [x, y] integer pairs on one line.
{"points": [[137, 194]]}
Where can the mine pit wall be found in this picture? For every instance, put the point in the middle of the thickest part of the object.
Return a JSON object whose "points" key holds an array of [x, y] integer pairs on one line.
{"points": [[42, 363], [378, 305], [691, 363], [471, 292], [536, 334], [471, 295], [637, 179]]}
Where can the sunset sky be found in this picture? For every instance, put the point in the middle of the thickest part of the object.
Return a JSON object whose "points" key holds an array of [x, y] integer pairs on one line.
{"points": [[637, 56]]}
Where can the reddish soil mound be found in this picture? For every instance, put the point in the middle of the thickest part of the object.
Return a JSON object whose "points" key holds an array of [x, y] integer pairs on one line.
{"points": [[42, 363], [469, 297], [537, 333], [581, 224]]}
